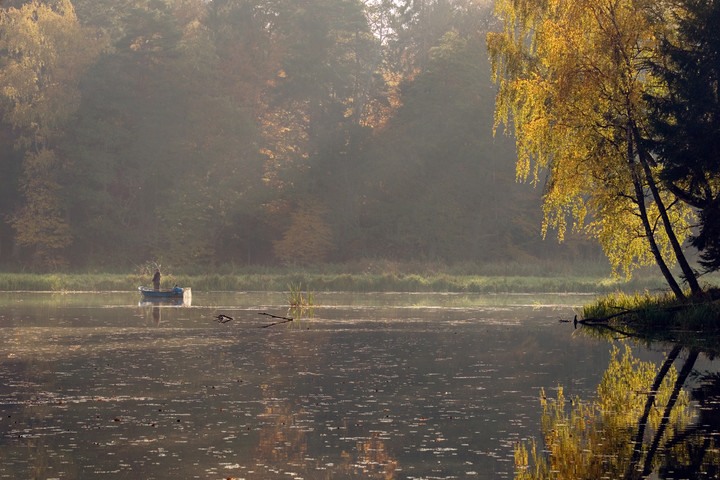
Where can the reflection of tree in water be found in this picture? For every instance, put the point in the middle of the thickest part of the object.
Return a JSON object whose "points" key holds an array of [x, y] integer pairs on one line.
{"points": [[702, 454], [32, 421], [640, 422], [283, 439]]}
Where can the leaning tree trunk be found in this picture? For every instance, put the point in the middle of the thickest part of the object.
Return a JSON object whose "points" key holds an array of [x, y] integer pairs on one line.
{"points": [[632, 471], [688, 273], [679, 382], [649, 234]]}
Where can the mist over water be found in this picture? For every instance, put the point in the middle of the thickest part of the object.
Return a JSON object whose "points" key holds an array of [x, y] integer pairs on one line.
{"points": [[366, 385]]}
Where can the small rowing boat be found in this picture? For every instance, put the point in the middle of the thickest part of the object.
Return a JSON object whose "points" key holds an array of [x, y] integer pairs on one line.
{"points": [[175, 293]]}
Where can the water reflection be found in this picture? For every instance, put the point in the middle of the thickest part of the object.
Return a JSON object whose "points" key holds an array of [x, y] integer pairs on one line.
{"points": [[97, 386], [642, 423]]}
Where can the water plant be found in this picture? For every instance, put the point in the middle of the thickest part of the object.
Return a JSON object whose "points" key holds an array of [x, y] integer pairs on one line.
{"points": [[296, 297]]}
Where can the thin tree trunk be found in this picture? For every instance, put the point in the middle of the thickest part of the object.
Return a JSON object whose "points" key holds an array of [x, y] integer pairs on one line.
{"points": [[679, 382], [632, 471], [688, 273], [640, 194]]}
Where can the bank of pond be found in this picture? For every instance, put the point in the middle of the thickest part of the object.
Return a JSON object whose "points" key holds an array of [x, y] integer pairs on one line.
{"points": [[693, 322], [318, 282]]}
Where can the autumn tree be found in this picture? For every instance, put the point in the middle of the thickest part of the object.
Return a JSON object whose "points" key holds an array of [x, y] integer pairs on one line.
{"points": [[438, 184], [572, 78], [211, 131], [224, 53], [43, 51], [164, 144], [319, 104], [126, 135], [308, 240]]}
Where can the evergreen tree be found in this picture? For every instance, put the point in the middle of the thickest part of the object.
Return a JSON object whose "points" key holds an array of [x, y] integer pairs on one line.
{"points": [[686, 118]]}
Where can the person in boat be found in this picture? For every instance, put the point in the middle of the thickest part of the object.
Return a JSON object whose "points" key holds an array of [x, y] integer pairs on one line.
{"points": [[156, 280]]}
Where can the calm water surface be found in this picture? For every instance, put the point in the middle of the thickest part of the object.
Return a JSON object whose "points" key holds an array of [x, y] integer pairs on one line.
{"points": [[395, 386]]}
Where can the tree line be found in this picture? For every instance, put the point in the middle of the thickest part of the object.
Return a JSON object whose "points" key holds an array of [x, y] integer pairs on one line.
{"points": [[253, 132], [231, 132]]}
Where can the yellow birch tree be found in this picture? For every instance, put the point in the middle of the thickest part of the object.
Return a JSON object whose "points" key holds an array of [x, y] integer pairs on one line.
{"points": [[572, 79]]}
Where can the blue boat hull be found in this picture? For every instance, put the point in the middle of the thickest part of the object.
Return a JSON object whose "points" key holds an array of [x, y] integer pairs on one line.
{"points": [[146, 292], [176, 294]]}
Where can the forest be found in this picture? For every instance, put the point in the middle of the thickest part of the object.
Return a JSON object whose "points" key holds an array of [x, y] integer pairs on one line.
{"points": [[273, 132], [227, 133]]}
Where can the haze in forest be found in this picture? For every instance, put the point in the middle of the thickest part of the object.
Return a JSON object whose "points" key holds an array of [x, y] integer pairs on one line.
{"points": [[230, 132]]}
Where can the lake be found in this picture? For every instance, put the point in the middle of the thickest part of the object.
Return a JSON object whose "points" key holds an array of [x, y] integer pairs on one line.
{"points": [[391, 386]]}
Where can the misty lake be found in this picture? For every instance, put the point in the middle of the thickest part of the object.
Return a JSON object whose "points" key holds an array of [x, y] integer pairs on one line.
{"points": [[392, 386]]}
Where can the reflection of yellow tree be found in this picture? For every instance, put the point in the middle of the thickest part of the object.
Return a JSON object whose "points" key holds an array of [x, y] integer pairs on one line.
{"points": [[596, 439], [374, 460], [283, 438], [282, 441]]}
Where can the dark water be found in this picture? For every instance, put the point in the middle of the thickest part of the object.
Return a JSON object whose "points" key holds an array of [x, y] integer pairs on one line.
{"points": [[373, 386]]}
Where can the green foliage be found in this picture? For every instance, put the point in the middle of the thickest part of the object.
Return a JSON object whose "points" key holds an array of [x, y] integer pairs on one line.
{"points": [[278, 279], [297, 299], [685, 120], [649, 315], [440, 187]]}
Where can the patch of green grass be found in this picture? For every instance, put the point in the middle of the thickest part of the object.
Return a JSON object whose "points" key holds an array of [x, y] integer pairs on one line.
{"points": [[60, 282], [692, 321], [368, 277]]}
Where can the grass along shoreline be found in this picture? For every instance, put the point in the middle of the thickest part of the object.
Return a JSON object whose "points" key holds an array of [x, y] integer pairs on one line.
{"points": [[318, 282], [693, 322]]}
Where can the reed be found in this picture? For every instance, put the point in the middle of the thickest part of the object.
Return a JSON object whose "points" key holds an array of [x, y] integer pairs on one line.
{"points": [[69, 282], [295, 295], [331, 280]]}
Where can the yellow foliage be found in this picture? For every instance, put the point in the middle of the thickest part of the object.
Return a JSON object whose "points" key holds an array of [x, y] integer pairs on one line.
{"points": [[571, 77], [41, 222], [46, 51], [594, 439], [308, 238]]}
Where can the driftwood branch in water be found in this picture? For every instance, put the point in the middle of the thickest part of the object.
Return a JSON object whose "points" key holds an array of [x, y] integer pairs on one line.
{"points": [[602, 320], [284, 319], [223, 318]]}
